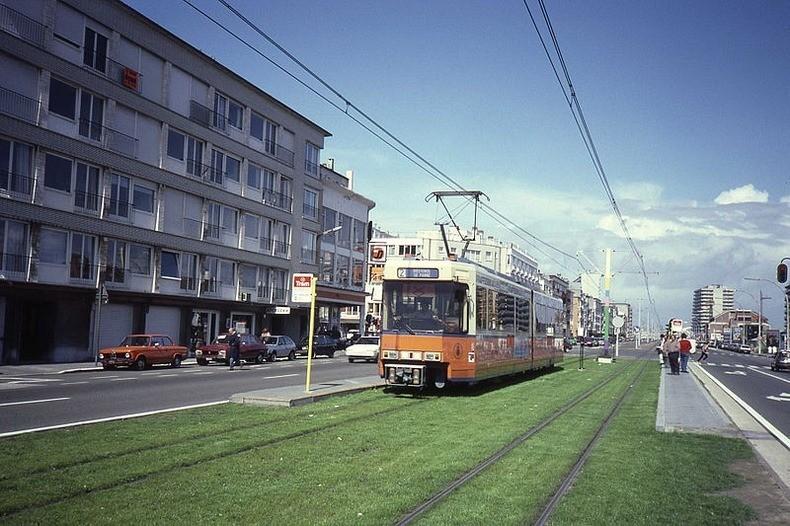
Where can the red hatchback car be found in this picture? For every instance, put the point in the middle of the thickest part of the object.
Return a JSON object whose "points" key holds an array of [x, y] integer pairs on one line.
{"points": [[250, 349], [143, 350]]}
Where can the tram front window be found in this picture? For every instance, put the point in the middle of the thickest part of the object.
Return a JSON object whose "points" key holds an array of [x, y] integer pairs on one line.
{"points": [[425, 307]]}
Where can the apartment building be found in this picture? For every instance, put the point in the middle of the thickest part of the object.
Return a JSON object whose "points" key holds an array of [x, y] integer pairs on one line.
{"points": [[137, 170], [708, 302], [340, 293]]}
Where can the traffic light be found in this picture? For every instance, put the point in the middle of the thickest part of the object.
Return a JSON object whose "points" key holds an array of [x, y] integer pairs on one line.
{"points": [[781, 273]]}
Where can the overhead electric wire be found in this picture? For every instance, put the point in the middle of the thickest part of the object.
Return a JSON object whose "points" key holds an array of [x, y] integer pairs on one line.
{"points": [[584, 130], [437, 174]]}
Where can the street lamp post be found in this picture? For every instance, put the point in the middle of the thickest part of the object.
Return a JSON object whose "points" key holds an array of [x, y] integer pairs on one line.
{"points": [[787, 307]]}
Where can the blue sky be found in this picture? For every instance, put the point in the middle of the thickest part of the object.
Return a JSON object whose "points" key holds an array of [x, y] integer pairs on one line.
{"points": [[687, 102]]}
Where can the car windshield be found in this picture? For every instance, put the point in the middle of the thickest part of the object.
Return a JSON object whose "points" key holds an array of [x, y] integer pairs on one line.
{"points": [[270, 340], [368, 341], [222, 338], [134, 341], [431, 307]]}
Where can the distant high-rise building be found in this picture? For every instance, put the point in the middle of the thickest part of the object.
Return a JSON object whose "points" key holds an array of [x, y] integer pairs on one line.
{"points": [[709, 302]]}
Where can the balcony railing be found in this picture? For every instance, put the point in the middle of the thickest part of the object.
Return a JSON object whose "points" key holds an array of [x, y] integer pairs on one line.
{"points": [[16, 23], [188, 283], [196, 168], [211, 231], [279, 294], [277, 200], [281, 153], [264, 292], [91, 129], [200, 114], [87, 201], [120, 142], [309, 256], [275, 247], [193, 227], [19, 106], [115, 71], [13, 265], [16, 185], [213, 175]]}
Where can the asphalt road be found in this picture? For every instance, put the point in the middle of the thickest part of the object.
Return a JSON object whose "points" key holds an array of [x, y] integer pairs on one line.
{"points": [[750, 377], [45, 400]]}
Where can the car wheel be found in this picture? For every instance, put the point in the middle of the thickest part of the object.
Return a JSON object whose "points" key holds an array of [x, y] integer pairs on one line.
{"points": [[330, 354], [260, 358], [272, 356], [176, 361], [140, 364], [108, 367], [292, 355], [350, 360], [202, 362]]}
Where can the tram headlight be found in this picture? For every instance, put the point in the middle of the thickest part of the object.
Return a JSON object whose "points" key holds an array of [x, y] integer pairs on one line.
{"points": [[101, 356], [415, 379], [392, 375]]}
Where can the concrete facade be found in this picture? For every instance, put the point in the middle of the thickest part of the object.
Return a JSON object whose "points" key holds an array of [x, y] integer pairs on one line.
{"points": [[708, 302]]}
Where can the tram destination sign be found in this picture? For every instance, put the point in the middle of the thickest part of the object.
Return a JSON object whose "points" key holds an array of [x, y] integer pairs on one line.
{"points": [[418, 273]]}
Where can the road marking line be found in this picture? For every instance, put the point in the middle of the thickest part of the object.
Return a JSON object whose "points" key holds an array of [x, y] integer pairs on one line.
{"points": [[739, 365], [737, 373], [757, 416], [163, 375], [771, 375], [75, 383], [204, 372], [279, 376], [102, 377], [6, 404], [109, 419], [726, 365], [30, 379], [122, 379]]}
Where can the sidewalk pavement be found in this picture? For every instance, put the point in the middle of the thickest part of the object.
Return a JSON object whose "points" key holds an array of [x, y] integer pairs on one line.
{"points": [[295, 395], [58, 368]]}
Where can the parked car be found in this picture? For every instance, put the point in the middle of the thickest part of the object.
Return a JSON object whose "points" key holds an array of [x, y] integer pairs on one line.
{"points": [[279, 347], [143, 350], [250, 349], [745, 349], [780, 361], [323, 344], [567, 344], [365, 348]]}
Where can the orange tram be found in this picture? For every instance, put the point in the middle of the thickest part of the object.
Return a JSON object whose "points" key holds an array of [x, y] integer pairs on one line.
{"points": [[458, 322]]}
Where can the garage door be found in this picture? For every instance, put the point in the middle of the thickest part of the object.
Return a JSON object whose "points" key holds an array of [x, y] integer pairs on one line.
{"points": [[115, 324], [164, 320]]}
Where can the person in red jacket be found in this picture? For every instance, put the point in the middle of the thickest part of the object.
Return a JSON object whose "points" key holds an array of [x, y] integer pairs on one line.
{"points": [[685, 351]]}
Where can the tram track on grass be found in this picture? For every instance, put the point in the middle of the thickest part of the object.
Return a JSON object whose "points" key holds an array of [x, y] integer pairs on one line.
{"points": [[13, 511], [426, 505], [570, 478]]}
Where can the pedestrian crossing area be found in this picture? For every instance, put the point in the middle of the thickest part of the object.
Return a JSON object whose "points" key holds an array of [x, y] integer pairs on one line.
{"points": [[734, 365]]}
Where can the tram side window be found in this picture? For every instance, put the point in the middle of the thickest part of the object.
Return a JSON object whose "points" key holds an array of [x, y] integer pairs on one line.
{"points": [[481, 308], [522, 315], [541, 319], [505, 312]]}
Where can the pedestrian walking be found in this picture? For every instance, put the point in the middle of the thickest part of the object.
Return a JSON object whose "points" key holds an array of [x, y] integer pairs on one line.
{"points": [[684, 346], [660, 351], [265, 332], [703, 356], [673, 353], [234, 342]]}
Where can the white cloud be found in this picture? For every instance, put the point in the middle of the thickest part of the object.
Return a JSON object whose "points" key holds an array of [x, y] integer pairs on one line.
{"points": [[743, 194]]}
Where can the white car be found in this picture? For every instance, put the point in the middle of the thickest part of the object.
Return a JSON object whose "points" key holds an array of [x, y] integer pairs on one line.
{"points": [[279, 347], [366, 348]]}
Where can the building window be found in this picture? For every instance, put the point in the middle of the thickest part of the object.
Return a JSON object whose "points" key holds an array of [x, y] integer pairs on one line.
{"points": [[119, 195], [86, 187], [254, 176], [311, 159], [220, 110], [345, 231], [327, 266], [13, 246], [116, 261], [310, 205], [52, 246], [16, 167], [82, 254], [329, 222], [91, 116], [256, 126], [188, 271], [175, 145], [170, 264], [227, 274], [342, 270], [270, 138], [143, 199], [212, 227], [251, 228], [94, 52], [232, 168], [62, 98], [57, 173], [140, 260], [359, 237], [194, 157], [217, 170], [308, 247], [230, 219], [358, 273], [235, 115], [248, 276]]}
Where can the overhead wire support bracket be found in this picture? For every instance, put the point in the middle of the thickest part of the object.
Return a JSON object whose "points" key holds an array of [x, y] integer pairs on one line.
{"points": [[473, 196]]}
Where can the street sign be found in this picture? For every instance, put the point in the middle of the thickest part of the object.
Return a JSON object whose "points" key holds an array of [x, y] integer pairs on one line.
{"points": [[301, 290], [618, 322], [278, 310]]}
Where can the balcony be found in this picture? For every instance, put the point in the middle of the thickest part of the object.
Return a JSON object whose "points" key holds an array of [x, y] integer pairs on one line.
{"points": [[193, 228], [275, 248], [309, 212], [279, 294], [16, 185], [188, 283], [277, 200], [196, 168], [281, 153], [87, 202], [213, 175], [264, 293], [309, 256], [121, 143], [14, 266], [209, 118], [18, 24], [119, 73], [18, 105]]}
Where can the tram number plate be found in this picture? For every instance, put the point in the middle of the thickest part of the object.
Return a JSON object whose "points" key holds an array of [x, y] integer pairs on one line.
{"points": [[418, 273]]}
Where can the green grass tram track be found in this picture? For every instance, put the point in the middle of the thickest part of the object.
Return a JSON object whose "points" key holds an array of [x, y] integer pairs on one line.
{"points": [[418, 511]]}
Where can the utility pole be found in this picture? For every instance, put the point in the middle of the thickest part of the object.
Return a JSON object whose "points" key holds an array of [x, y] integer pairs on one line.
{"points": [[760, 323], [607, 314]]}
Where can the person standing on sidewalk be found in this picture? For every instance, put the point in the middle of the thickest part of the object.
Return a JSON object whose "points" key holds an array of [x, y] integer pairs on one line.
{"points": [[684, 345], [672, 353], [703, 353], [234, 342], [660, 351]]}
